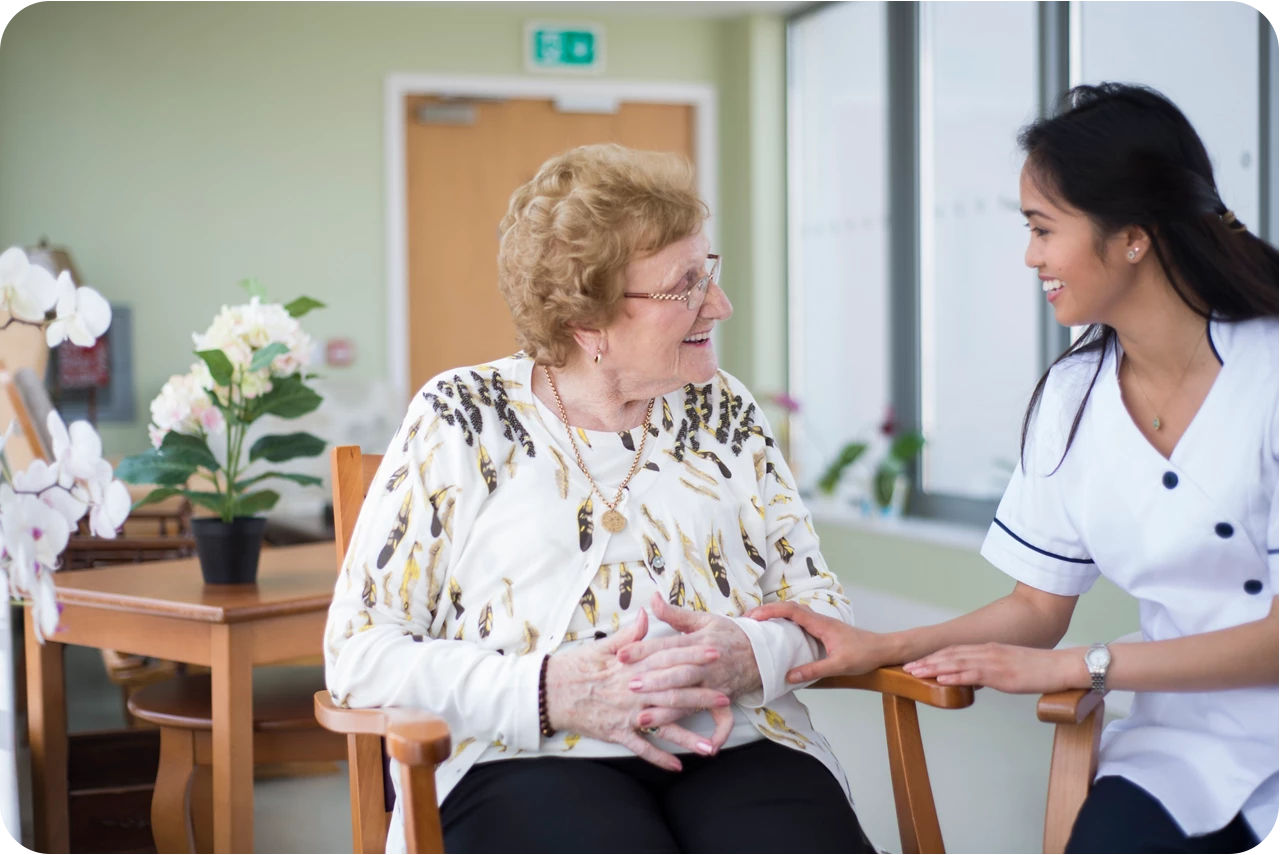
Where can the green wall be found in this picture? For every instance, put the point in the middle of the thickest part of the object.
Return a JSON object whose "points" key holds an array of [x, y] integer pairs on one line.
{"points": [[177, 148]]}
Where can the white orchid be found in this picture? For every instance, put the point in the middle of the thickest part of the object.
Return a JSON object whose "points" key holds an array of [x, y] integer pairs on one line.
{"points": [[34, 534], [109, 505], [40, 506], [82, 314], [27, 291]]}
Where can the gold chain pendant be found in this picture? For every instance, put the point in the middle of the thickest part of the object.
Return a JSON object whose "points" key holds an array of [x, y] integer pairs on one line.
{"points": [[613, 521]]}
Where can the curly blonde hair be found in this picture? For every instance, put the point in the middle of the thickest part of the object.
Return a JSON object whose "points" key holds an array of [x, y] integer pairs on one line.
{"points": [[570, 232]]}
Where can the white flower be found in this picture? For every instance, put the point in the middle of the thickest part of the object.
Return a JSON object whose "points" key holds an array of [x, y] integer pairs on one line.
{"points": [[27, 291], [44, 605], [239, 331], [110, 504], [78, 452], [184, 406], [83, 315], [34, 534]]}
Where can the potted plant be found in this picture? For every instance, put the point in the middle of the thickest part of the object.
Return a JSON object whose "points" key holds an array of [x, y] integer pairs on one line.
{"points": [[251, 365], [888, 484]]}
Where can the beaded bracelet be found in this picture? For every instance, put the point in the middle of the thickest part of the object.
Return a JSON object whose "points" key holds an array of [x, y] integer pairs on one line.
{"points": [[544, 721]]}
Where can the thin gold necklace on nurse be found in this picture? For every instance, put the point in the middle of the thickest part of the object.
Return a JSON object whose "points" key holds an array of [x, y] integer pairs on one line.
{"points": [[613, 520], [1155, 411]]}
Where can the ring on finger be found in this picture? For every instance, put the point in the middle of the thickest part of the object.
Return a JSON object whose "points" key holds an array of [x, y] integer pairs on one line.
{"points": [[648, 731]]}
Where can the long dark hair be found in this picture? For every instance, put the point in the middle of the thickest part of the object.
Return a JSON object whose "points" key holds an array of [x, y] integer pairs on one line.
{"points": [[1125, 156]]}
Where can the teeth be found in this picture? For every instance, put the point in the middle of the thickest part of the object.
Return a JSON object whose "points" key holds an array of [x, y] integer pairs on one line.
{"points": [[694, 339], [1052, 284]]}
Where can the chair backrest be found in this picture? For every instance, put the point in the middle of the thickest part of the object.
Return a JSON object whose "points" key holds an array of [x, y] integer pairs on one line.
{"points": [[352, 474], [29, 404], [417, 744]]}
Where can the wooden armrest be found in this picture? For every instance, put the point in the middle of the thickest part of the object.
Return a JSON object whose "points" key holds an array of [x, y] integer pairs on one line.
{"points": [[892, 680], [1070, 707], [413, 737]]}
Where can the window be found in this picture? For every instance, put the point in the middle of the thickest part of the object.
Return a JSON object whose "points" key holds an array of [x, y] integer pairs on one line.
{"points": [[906, 276]]}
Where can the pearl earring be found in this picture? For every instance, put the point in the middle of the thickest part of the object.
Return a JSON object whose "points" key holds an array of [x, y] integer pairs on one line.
{"points": [[1132, 254]]}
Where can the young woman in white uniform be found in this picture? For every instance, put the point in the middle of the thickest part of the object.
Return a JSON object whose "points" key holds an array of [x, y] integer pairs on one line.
{"points": [[1149, 456]]}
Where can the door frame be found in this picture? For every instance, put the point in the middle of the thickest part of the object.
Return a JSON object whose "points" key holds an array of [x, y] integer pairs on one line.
{"points": [[700, 96]]}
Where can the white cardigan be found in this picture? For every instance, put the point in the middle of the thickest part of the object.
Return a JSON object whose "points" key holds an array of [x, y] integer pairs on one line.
{"points": [[479, 536]]}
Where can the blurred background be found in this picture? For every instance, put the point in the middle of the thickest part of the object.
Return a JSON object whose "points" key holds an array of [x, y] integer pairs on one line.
{"points": [[859, 159]]}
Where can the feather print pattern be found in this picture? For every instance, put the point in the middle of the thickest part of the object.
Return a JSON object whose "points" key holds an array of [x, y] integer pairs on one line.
{"points": [[585, 524], [398, 530]]}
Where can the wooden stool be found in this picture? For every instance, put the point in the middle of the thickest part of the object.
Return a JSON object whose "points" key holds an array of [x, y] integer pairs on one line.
{"points": [[284, 730]]}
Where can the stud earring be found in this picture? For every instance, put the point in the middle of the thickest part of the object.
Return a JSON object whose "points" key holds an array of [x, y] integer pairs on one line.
{"points": [[599, 353], [1132, 254]]}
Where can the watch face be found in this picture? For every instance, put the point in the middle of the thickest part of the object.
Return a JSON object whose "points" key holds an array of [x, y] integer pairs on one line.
{"points": [[1097, 658]]}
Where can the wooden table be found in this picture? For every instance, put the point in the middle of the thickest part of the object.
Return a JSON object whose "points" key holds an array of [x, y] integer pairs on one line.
{"points": [[164, 609]]}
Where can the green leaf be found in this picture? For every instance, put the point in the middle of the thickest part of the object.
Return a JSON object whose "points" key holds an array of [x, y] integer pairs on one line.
{"points": [[254, 288], [263, 356], [189, 450], [212, 501], [286, 446], [288, 398], [150, 467], [301, 306], [219, 366], [885, 478], [295, 477], [831, 477], [157, 495], [906, 446], [254, 503]]}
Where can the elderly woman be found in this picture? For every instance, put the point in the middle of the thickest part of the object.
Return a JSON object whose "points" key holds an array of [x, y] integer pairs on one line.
{"points": [[560, 546]]}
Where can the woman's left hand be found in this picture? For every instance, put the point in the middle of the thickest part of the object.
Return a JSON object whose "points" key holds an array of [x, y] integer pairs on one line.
{"points": [[729, 663], [1006, 667]]}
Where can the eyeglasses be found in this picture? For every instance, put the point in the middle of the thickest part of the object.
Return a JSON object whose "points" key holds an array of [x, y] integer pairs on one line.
{"points": [[694, 294]]}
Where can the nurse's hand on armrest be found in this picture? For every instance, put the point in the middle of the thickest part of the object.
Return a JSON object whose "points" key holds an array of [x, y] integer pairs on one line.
{"points": [[850, 650], [1005, 667]]}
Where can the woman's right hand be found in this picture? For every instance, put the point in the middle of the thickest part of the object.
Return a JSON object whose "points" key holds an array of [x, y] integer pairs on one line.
{"points": [[588, 692], [850, 650]]}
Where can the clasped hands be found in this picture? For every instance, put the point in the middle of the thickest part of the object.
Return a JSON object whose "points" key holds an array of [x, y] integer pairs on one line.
{"points": [[626, 687]]}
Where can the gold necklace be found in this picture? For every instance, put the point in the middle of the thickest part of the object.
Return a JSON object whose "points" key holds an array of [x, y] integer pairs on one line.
{"points": [[612, 519], [1155, 422]]}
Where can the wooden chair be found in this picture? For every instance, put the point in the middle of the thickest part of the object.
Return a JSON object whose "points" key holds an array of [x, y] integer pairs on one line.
{"points": [[420, 741], [1077, 718]]}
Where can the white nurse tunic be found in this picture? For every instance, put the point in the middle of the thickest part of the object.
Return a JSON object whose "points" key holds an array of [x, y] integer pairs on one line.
{"points": [[1194, 538]]}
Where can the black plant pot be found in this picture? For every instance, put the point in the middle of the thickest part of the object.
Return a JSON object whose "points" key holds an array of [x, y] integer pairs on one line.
{"points": [[229, 551]]}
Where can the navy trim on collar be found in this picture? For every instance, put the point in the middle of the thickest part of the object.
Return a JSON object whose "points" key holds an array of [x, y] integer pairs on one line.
{"points": [[1035, 548], [1208, 329]]}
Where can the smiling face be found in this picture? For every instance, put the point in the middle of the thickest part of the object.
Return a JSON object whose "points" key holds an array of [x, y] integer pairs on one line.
{"points": [[1087, 281], [657, 346]]}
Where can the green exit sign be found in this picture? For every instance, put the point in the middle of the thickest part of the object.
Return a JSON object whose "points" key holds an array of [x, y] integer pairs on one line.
{"points": [[562, 48]]}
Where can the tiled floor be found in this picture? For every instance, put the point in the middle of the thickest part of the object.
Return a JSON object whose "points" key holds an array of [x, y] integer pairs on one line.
{"points": [[988, 763]]}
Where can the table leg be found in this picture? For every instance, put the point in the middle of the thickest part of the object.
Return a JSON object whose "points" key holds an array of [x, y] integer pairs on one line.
{"points": [[232, 688], [47, 736]]}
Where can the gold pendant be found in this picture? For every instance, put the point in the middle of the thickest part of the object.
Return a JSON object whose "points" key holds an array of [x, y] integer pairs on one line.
{"points": [[1156, 423], [613, 521]]}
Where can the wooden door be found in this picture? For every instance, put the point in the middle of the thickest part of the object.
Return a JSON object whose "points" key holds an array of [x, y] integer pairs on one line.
{"points": [[464, 159]]}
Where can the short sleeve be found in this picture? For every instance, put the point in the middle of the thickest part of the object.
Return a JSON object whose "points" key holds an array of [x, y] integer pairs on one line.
{"points": [[1032, 537]]}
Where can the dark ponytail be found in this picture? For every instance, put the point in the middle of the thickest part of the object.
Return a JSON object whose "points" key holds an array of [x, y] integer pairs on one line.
{"points": [[1125, 156]]}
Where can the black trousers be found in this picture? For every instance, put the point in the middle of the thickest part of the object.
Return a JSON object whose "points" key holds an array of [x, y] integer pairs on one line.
{"points": [[759, 797], [1120, 816]]}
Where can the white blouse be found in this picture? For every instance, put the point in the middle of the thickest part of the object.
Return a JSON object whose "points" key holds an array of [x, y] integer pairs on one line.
{"points": [[480, 538], [1193, 537]]}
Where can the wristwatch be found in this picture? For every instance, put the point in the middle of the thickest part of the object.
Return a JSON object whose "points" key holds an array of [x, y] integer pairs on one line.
{"points": [[1098, 659]]}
